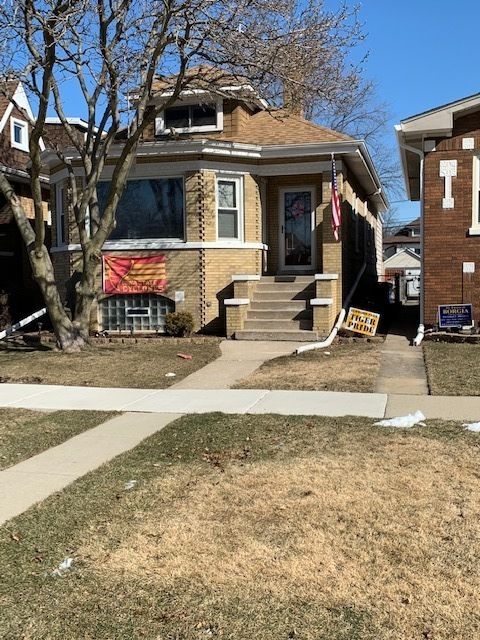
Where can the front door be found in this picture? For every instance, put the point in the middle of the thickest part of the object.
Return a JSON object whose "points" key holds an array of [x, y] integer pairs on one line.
{"points": [[297, 226]]}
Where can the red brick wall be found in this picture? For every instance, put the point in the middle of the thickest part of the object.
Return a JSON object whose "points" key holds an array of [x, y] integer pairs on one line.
{"points": [[447, 243]]}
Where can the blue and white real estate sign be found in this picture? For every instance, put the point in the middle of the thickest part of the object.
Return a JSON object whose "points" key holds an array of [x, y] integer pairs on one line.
{"points": [[455, 315]]}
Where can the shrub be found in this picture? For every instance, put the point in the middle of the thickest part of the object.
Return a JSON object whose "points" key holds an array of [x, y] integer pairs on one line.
{"points": [[179, 324]]}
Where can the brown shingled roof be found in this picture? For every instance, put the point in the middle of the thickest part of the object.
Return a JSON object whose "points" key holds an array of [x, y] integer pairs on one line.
{"points": [[7, 89], [202, 76], [282, 127]]}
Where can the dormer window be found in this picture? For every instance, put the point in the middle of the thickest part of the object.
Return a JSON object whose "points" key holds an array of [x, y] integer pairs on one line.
{"points": [[19, 133], [191, 118]]}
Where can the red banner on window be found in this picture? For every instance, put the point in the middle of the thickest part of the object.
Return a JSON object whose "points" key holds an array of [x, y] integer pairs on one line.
{"points": [[134, 275]]}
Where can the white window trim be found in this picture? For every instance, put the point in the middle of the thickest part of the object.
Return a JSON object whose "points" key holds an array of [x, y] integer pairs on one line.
{"points": [[238, 179], [22, 146], [160, 119], [475, 228]]}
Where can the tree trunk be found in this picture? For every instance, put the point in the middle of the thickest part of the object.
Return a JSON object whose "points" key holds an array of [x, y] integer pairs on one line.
{"points": [[70, 337]]}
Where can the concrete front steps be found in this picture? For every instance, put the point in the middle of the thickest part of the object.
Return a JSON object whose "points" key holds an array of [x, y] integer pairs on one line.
{"points": [[279, 310]]}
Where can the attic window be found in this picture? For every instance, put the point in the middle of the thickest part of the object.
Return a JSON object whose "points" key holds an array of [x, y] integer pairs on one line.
{"points": [[191, 118], [19, 133]]}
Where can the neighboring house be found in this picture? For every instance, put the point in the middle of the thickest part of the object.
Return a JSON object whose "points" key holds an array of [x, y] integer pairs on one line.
{"points": [[227, 215], [402, 262], [402, 270], [15, 274], [408, 237], [440, 151]]}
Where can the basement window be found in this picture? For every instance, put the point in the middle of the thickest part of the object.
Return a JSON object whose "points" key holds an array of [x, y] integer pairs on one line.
{"points": [[142, 312]]}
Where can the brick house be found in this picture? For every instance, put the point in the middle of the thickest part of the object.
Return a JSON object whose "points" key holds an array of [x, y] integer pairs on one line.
{"points": [[231, 201], [440, 153], [15, 274]]}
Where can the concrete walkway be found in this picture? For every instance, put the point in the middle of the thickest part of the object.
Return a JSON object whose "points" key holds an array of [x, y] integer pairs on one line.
{"points": [[402, 369], [239, 359], [188, 401], [33, 480]]}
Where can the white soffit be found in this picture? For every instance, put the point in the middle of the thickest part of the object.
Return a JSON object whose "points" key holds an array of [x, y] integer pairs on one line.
{"points": [[439, 120]]}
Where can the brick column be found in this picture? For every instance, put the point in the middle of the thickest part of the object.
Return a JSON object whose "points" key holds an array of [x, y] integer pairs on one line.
{"points": [[325, 305], [236, 313], [237, 307]]}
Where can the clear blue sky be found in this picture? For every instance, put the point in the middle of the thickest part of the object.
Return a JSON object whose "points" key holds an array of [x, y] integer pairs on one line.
{"points": [[423, 53]]}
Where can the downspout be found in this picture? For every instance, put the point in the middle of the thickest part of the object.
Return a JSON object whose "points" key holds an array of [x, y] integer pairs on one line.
{"points": [[421, 327], [341, 317]]}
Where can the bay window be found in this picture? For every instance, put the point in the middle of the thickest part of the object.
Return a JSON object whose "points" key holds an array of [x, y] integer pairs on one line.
{"points": [[150, 208]]}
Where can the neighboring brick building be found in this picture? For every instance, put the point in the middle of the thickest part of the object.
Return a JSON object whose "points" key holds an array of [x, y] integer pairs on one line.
{"points": [[440, 149], [233, 199], [15, 274]]}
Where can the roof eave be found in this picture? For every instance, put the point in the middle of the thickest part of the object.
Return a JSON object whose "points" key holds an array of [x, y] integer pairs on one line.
{"points": [[355, 150]]}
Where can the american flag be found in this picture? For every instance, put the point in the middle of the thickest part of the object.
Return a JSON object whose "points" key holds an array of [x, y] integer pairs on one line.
{"points": [[336, 211]]}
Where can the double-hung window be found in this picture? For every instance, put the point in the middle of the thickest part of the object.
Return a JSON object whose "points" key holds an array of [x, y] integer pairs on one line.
{"points": [[19, 134], [475, 228], [60, 209], [229, 208]]}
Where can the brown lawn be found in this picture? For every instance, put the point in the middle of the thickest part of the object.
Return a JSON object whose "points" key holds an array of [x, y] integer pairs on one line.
{"points": [[351, 366], [452, 369], [24, 433], [137, 365], [264, 527]]}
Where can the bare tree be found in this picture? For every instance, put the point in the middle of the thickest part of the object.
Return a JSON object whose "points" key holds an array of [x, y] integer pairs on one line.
{"points": [[113, 51]]}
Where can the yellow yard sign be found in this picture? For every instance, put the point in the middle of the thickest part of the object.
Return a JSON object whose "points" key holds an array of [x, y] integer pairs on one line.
{"points": [[365, 322]]}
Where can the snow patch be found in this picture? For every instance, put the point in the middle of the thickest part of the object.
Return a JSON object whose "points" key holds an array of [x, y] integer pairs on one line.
{"points": [[472, 426], [403, 422]]}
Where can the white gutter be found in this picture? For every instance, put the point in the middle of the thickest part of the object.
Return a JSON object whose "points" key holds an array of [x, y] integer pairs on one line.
{"points": [[341, 317], [406, 147]]}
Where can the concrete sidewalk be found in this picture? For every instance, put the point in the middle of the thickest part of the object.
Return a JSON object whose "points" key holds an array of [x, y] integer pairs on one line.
{"points": [[239, 359], [242, 401], [402, 368], [33, 480], [187, 401]]}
